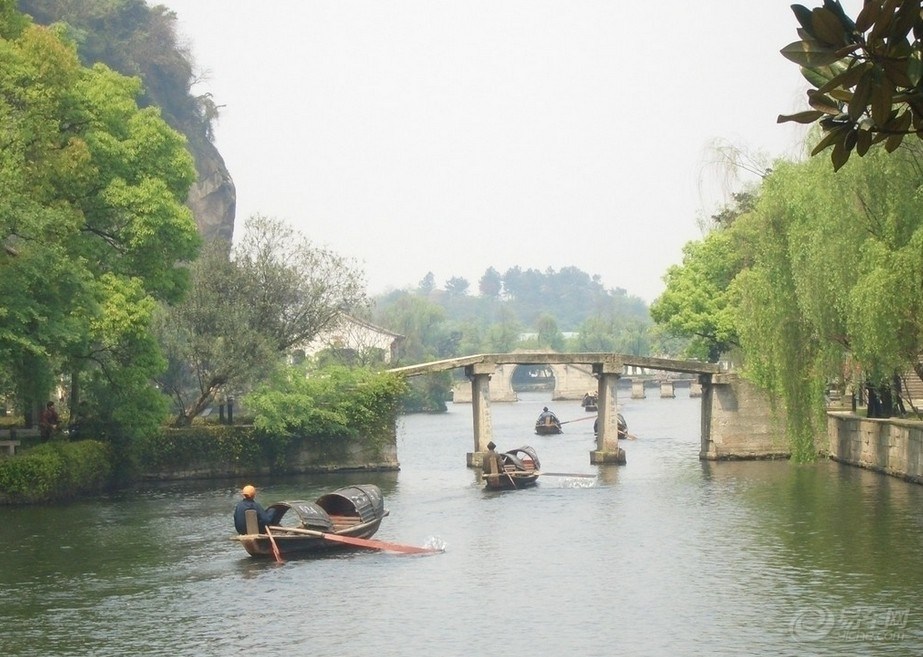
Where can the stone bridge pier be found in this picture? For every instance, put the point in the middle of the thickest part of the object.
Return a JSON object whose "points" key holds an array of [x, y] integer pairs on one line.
{"points": [[607, 449]]}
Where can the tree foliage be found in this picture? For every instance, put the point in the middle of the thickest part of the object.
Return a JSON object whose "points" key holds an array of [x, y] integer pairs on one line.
{"points": [[820, 279], [865, 74], [246, 313], [301, 402], [92, 224]]}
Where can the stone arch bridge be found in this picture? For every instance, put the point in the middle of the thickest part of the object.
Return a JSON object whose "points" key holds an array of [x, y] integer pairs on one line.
{"points": [[736, 419]]}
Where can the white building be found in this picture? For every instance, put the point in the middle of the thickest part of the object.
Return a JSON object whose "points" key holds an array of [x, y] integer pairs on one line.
{"points": [[357, 339]]}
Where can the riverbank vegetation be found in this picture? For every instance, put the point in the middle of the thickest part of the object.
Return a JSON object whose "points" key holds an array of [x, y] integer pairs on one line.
{"points": [[813, 276], [108, 303]]}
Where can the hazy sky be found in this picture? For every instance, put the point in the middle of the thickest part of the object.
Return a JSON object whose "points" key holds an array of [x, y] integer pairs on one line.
{"points": [[451, 136]]}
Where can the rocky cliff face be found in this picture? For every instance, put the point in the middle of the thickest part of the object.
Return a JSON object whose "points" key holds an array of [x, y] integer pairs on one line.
{"points": [[213, 197], [136, 39]]}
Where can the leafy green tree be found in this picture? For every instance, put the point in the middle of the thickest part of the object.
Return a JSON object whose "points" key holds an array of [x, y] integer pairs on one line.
{"points": [[423, 324], [696, 302], [91, 221], [503, 336], [549, 335], [865, 74], [490, 284], [457, 286], [244, 314], [427, 284]]}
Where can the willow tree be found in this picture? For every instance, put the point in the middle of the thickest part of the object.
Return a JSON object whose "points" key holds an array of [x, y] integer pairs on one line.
{"points": [[836, 282]]}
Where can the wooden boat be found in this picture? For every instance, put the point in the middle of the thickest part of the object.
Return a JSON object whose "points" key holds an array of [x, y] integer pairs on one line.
{"points": [[623, 427], [517, 468], [547, 424], [298, 527], [590, 403]]}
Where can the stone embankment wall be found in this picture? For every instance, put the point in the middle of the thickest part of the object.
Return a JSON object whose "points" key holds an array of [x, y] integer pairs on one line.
{"points": [[305, 458], [891, 446]]}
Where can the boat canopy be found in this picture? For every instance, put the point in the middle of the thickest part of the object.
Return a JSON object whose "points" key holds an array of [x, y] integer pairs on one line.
{"points": [[363, 500], [310, 515], [518, 455]]}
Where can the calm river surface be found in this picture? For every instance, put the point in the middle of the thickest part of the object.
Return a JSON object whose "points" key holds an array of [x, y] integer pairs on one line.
{"points": [[666, 555]]}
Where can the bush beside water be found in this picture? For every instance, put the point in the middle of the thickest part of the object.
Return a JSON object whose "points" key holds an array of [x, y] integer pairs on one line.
{"points": [[55, 471]]}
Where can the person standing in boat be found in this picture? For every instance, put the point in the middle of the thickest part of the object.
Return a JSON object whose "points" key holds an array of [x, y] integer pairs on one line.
{"points": [[240, 511], [492, 461]]}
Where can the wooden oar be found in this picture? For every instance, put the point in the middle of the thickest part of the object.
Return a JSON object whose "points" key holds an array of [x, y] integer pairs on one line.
{"points": [[566, 474], [360, 542], [275, 548], [591, 417]]}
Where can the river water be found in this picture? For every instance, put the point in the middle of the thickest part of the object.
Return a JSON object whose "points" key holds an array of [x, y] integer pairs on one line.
{"points": [[666, 555]]}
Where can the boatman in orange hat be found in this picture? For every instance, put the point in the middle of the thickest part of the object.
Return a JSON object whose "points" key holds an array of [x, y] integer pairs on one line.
{"points": [[240, 516]]}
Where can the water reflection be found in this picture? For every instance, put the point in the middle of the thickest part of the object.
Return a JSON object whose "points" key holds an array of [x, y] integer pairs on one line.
{"points": [[664, 555]]}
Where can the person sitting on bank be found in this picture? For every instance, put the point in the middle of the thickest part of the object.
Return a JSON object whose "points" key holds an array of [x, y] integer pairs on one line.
{"points": [[48, 421], [240, 511]]}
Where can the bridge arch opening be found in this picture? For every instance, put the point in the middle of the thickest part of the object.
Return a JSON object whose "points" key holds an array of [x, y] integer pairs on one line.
{"points": [[532, 378]]}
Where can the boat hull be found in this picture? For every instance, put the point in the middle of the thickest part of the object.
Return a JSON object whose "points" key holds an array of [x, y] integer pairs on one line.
{"points": [[547, 429], [259, 545], [510, 480]]}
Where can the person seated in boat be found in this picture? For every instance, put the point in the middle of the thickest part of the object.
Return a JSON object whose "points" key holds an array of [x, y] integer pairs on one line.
{"points": [[622, 426], [247, 502], [548, 417]]}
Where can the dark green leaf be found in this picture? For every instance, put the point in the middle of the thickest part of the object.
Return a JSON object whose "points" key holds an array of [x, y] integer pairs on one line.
{"points": [[837, 9], [868, 15], [914, 69], [883, 21], [810, 55], [803, 16], [863, 141], [882, 101], [823, 103], [835, 135], [827, 27], [907, 15], [817, 77], [893, 142], [860, 100], [847, 78], [897, 71], [840, 154], [809, 116]]}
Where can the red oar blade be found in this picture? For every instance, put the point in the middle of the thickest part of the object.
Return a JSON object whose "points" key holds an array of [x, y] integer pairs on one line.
{"points": [[362, 542], [379, 545]]}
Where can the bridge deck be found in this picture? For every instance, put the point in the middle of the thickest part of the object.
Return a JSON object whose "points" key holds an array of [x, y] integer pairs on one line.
{"points": [[554, 358]]}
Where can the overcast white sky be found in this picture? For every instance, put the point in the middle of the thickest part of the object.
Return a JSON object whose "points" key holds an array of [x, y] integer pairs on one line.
{"points": [[451, 136]]}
